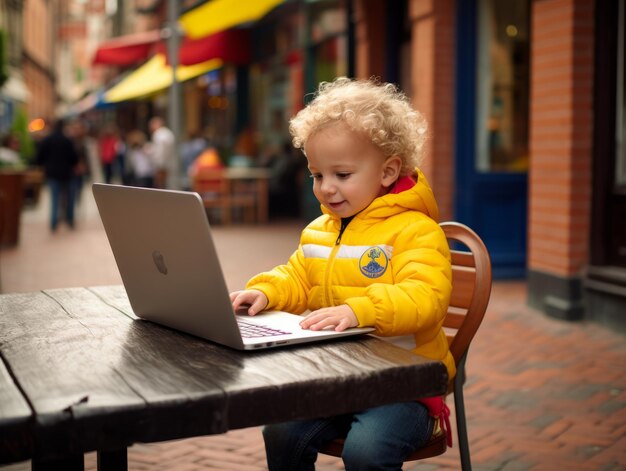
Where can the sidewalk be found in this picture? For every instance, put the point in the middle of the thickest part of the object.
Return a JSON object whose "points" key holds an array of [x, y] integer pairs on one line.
{"points": [[542, 394]]}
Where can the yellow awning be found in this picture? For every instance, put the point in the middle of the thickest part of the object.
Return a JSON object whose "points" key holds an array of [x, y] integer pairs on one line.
{"points": [[217, 15], [153, 76]]}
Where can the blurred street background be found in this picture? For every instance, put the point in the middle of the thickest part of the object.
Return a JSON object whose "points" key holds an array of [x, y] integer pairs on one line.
{"points": [[527, 145], [523, 99]]}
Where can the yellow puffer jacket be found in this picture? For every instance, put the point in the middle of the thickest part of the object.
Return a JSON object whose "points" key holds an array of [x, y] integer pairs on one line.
{"points": [[390, 264]]}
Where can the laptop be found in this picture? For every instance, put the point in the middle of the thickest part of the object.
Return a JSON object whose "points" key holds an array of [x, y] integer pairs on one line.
{"points": [[162, 244]]}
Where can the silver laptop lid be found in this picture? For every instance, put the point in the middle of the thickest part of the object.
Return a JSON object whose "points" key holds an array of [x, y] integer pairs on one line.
{"points": [[163, 267]]}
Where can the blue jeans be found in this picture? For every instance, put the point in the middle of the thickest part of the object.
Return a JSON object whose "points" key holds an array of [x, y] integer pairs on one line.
{"points": [[61, 191], [376, 439]]}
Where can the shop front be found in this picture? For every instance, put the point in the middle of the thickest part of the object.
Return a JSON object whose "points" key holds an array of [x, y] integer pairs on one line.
{"points": [[605, 278], [492, 104]]}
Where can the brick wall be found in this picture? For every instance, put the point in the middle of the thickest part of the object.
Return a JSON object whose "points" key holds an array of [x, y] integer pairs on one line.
{"points": [[561, 121], [432, 78], [370, 33], [38, 59], [42, 93]]}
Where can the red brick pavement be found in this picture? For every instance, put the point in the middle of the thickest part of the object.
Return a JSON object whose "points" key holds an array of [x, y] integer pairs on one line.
{"points": [[542, 394]]}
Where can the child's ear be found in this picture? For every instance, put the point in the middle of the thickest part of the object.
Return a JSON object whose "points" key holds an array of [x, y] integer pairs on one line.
{"points": [[391, 170]]}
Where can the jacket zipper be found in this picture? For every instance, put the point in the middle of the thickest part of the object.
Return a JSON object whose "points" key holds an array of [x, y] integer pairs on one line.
{"points": [[331, 261], [344, 224]]}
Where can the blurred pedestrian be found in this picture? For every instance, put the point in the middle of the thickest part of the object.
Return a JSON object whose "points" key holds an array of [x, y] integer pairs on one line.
{"points": [[163, 151], [93, 157], [77, 133], [58, 156], [140, 159], [108, 148], [192, 148]]}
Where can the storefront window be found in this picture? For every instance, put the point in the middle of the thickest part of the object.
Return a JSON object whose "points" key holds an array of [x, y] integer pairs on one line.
{"points": [[330, 59], [328, 19], [620, 158], [328, 37], [503, 86], [218, 96]]}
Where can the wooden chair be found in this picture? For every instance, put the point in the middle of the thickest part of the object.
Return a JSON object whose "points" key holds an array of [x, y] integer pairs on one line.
{"points": [[215, 190], [471, 289]]}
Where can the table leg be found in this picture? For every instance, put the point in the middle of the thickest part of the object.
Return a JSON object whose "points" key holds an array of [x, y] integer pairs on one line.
{"points": [[113, 460], [69, 463]]}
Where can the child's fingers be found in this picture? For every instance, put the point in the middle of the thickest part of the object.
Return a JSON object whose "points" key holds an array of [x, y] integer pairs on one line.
{"points": [[257, 301], [241, 300], [343, 325], [319, 320], [255, 307], [310, 320], [339, 318]]}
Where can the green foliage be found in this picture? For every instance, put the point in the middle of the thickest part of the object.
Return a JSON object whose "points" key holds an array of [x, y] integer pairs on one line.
{"points": [[20, 129], [4, 75]]}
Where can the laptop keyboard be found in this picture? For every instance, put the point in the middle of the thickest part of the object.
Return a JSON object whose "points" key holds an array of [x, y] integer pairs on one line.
{"points": [[249, 330]]}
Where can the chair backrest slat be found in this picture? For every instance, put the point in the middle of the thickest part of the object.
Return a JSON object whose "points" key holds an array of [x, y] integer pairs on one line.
{"points": [[461, 258], [455, 318], [463, 282], [471, 287]]}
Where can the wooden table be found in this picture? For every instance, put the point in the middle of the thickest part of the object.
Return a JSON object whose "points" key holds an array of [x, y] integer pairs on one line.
{"points": [[80, 373]]}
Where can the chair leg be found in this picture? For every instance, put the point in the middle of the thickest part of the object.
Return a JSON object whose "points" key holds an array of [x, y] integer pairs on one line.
{"points": [[461, 424]]}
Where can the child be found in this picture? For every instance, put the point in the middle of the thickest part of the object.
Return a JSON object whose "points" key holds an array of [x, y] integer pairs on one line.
{"points": [[376, 257]]}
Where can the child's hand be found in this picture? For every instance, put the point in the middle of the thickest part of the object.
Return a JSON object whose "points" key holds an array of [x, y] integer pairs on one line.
{"points": [[252, 299], [338, 317]]}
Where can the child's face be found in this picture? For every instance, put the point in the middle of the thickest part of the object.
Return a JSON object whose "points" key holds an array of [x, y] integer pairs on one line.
{"points": [[348, 170]]}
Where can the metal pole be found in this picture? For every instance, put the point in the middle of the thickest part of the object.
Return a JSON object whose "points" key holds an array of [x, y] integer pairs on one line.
{"points": [[174, 116]]}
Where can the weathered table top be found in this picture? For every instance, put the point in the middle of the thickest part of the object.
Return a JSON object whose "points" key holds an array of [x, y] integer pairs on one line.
{"points": [[80, 372]]}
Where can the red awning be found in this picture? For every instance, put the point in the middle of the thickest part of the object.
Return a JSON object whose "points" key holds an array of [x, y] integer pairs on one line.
{"points": [[127, 50], [232, 45]]}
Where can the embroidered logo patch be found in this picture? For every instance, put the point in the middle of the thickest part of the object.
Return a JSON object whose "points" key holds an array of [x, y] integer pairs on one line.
{"points": [[373, 263]]}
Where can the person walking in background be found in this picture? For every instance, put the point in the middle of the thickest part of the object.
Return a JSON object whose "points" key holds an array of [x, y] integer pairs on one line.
{"points": [[108, 147], [78, 132], [57, 154], [90, 140], [163, 151], [376, 257], [122, 167], [140, 159]]}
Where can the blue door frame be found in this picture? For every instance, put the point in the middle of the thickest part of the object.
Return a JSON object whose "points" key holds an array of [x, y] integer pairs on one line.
{"points": [[494, 204]]}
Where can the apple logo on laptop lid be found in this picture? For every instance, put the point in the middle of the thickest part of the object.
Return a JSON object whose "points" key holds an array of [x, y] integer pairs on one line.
{"points": [[159, 261]]}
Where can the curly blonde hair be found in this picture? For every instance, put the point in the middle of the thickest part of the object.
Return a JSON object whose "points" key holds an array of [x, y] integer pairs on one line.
{"points": [[377, 110]]}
